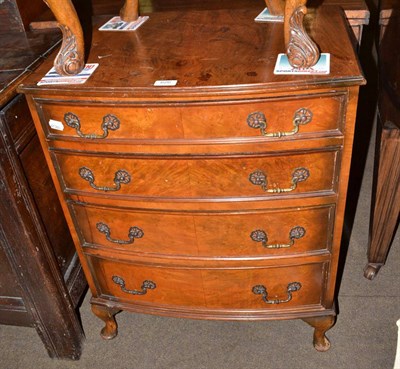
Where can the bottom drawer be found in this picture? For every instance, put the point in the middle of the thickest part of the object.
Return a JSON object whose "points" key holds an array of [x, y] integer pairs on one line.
{"points": [[272, 288]]}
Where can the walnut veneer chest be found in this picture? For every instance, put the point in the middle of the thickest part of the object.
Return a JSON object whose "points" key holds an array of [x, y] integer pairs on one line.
{"points": [[219, 198]]}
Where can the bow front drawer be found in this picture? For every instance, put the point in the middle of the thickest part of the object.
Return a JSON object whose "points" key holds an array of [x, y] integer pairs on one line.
{"points": [[262, 290], [194, 177], [302, 116], [228, 234]]}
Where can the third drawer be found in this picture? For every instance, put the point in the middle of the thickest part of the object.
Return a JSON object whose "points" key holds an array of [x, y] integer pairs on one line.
{"points": [[275, 232]]}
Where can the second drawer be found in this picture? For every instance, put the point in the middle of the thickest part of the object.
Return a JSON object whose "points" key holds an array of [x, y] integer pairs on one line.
{"points": [[207, 234], [199, 177]]}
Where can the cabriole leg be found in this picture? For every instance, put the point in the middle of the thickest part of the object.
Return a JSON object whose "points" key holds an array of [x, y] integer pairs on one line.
{"points": [[321, 325], [70, 59], [107, 316]]}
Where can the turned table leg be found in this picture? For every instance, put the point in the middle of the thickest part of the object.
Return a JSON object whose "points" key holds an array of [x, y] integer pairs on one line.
{"points": [[387, 201], [275, 7], [321, 326], [130, 11], [71, 57], [107, 315]]}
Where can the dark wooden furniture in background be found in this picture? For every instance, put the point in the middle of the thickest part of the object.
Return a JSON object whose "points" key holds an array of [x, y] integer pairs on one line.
{"points": [[16, 15], [219, 198], [357, 14], [386, 195], [41, 280]]}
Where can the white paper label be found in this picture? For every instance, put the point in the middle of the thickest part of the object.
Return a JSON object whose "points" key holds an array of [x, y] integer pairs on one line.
{"points": [[166, 82], [55, 124], [53, 78], [283, 66], [117, 24]]}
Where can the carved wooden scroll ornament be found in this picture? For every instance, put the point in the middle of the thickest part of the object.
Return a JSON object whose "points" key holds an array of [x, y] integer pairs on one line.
{"points": [[71, 57], [301, 50]]}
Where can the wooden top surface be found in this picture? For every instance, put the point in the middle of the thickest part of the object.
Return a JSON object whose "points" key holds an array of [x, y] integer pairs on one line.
{"points": [[219, 51]]}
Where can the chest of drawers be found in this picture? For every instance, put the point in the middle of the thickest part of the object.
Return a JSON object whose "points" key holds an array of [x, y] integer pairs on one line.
{"points": [[219, 198]]}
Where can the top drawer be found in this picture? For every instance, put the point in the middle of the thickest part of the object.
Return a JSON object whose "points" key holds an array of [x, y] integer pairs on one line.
{"points": [[301, 116]]}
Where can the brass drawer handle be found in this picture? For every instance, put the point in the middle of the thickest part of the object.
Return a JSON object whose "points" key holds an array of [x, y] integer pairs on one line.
{"points": [[134, 232], [262, 290], [257, 120], [110, 122], [121, 177], [261, 236], [259, 178], [146, 285]]}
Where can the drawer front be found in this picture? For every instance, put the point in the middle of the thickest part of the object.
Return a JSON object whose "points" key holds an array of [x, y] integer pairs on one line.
{"points": [[298, 117], [198, 177], [265, 288], [231, 234]]}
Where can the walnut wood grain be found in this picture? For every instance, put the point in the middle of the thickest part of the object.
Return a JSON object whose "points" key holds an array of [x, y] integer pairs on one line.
{"points": [[193, 66], [197, 178], [188, 166], [302, 51], [71, 57], [217, 289], [203, 230], [198, 120]]}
